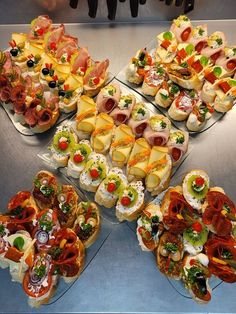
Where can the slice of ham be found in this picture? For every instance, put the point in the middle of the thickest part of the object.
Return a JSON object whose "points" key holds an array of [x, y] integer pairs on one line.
{"points": [[214, 53], [99, 70], [122, 115], [229, 64], [183, 32], [156, 138], [81, 61], [68, 47], [106, 103], [7, 67], [138, 126], [43, 23], [54, 37], [5, 93], [177, 150], [44, 117], [197, 40], [18, 96], [31, 117]]}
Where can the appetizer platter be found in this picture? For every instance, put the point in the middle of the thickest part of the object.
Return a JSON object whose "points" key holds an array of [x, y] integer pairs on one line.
{"points": [[117, 147], [191, 230], [42, 75], [187, 73], [48, 236]]}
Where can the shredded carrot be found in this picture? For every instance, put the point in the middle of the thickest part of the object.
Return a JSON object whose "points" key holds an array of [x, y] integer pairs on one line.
{"points": [[139, 157], [103, 129], [156, 163], [85, 114], [124, 142]]}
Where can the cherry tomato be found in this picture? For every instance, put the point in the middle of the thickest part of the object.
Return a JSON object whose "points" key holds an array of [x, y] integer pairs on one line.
{"points": [[196, 226], [176, 154], [111, 187], [192, 262], [83, 69], [53, 46], [125, 201], [109, 105], [78, 158], [94, 173], [199, 181], [231, 64], [63, 145], [139, 129], [96, 80], [40, 31], [158, 141], [185, 34]]}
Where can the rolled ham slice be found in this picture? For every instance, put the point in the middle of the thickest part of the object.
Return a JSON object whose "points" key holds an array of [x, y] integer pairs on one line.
{"points": [[54, 38], [123, 111], [178, 145], [199, 37], [228, 60], [182, 28], [215, 45], [40, 26], [158, 130], [108, 98], [139, 119]]}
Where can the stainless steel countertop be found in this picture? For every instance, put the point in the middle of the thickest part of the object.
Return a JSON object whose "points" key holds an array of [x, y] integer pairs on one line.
{"points": [[121, 278]]}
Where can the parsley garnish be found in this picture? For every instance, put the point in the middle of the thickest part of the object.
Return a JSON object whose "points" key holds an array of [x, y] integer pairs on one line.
{"points": [[55, 252], [65, 208], [165, 97], [219, 41], [180, 140], [142, 111], [201, 31], [45, 224], [2, 230], [40, 271], [171, 247], [174, 89], [46, 190], [155, 219], [226, 254], [163, 125]]}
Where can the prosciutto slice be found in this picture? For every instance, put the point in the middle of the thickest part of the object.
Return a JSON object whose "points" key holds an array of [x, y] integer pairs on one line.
{"points": [[178, 148], [7, 67], [213, 213], [5, 93], [108, 98], [199, 37], [99, 70], [68, 46], [176, 207], [39, 27], [54, 37], [122, 114], [81, 61], [44, 116], [210, 51]]}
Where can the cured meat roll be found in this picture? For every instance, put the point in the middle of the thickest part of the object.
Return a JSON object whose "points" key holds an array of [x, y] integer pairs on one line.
{"points": [[139, 119], [228, 60], [178, 145], [158, 170], [86, 117], [122, 145], [138, 160], [182, 28], [124, 109], [199, 37], [166, 50], [158, 130], [196, 275], [149, 227], [102, 135], [215, 45], [182, 105], [108, 98]]}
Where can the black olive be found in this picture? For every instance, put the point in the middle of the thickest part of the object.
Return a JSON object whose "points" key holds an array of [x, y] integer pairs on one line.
{"points": [[14, 52], [30, 63], [141, 56], [61, 93], [52, 84], [201, 281], [155, 228], [45, 71]]}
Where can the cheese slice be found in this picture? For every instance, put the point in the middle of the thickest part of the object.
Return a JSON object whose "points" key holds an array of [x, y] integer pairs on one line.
{"points": [[86, 113]]}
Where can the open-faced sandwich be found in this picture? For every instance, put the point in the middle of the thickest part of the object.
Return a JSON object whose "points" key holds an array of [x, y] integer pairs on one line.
{"points": [[149, 227], [87, 223]]}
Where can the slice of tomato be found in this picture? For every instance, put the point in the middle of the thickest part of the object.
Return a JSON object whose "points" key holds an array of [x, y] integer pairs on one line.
{"points": [[27, 286], [231, 65], [185, 34], [200, 46]]}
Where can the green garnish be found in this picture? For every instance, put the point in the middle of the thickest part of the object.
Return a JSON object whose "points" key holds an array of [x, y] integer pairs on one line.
{"points": [[39, 96], [234, 51], [185, 18], [19, 243], [142, 111], [2, 230], [232, 83], [51, 72], [155, 219], [16, 211], [171, 247], [68, 94], [83, 151], [55, 252], [160, 71], [219, 41], [193, 272], [46, 190], [204, 61], [174, 89], [226, 254], [167, 35], [40, 271], [189, 49], [201, 31], [165, 97], [217, 71], [63, 59], [192, 93], [180, 140], [65, 208], [163, 124], [45, 224], [37, 183], [127, 102], [184, 65], [227, 208], [111, 92]]}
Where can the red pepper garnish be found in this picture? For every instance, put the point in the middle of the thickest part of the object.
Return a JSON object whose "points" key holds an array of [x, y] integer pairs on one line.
{"points": [[199, 181], [210, 77], [168, 263], [30, 56], [197, 66], [196, 226], [12, 43], [40, 31], [192, 262], [53, 46], [165, 44], [88, 214], [48, 65], [66, 86], [96, 80], [224, 86], [55, 77], [182, 53]]}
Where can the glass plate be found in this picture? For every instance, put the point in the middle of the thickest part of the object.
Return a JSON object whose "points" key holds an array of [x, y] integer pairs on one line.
{"points": [[108, 213], [151, 46]]}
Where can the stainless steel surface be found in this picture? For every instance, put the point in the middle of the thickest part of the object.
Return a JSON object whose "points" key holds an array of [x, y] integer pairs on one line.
{"points": [[121, 278]]}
